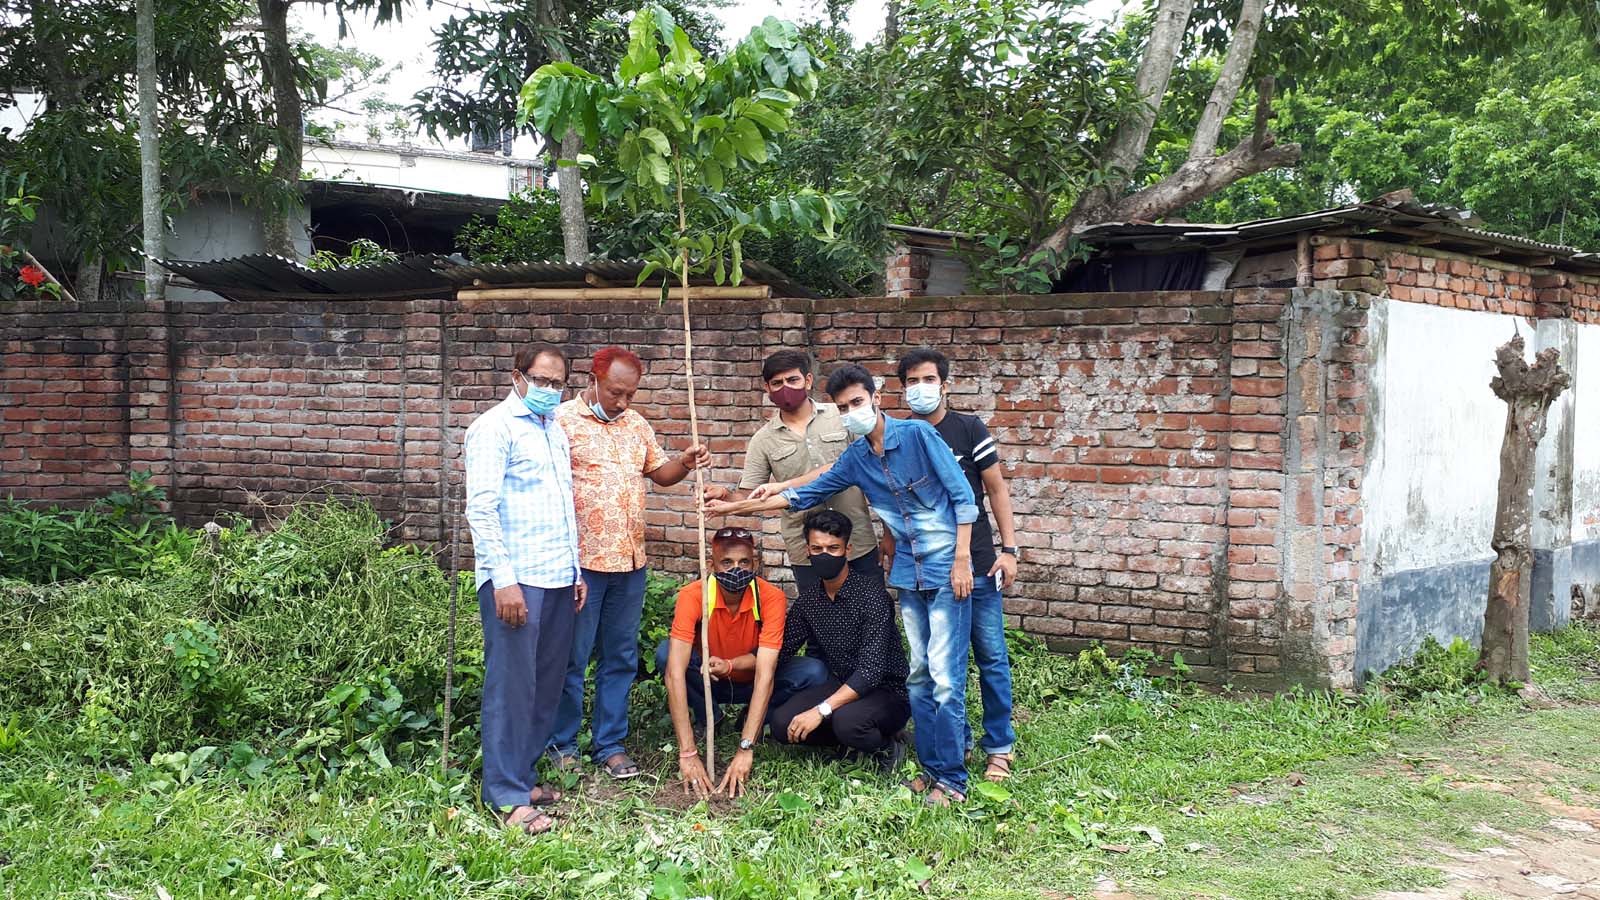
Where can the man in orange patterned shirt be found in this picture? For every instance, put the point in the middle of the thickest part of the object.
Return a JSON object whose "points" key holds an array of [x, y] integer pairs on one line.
{"points": [[613, 451]]}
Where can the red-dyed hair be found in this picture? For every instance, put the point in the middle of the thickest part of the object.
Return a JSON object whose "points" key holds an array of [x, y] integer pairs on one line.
{"points": [[601, 366]]}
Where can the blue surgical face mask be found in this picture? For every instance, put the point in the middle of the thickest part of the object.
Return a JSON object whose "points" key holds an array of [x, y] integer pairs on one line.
{"points": [[923, 398], [861, 420], [599, 411], [541, 401]]}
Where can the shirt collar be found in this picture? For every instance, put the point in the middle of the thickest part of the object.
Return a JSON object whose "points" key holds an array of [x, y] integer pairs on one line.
{"points": [[892, 429], [514, 404], [776, 422]]}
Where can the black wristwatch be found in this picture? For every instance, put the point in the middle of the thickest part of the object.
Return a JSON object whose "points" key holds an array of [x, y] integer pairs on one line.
{"points": [[1010, 550], [746, 743]]}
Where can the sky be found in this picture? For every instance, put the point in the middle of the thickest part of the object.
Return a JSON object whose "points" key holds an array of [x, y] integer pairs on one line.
{"points": [[405, 45]]}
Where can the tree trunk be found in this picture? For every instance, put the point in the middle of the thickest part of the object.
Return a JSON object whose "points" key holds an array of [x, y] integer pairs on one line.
{"points": [[86, 283], [1528, 393], [288, 119], [155, 279], [1229, 80], [1203, 174], [569, 179], [574, 221]]}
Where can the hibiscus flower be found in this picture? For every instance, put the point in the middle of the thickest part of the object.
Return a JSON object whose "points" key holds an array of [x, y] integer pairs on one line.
{"points": [[32, 276]]}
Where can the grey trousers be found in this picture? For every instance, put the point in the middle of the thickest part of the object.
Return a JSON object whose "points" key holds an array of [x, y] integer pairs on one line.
{"points": [[523, 671]]}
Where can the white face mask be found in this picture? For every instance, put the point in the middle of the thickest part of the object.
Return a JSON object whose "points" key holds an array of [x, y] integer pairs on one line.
{"points": [[861, 420], [923, 398]]}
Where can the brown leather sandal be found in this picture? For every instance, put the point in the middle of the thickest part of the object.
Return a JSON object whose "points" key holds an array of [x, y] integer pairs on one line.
{"points": [[998, 767]]}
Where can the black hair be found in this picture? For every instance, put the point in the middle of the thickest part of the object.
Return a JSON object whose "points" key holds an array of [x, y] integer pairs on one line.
{"points": [[848, 375], [830, 522], [530, 354], [923, 355], [784, 361]]}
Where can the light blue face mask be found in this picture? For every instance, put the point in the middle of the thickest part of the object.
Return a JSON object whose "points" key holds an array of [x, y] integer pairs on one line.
{"points": [[600, 411], [923, 398], [861, 420], [541, 401]]}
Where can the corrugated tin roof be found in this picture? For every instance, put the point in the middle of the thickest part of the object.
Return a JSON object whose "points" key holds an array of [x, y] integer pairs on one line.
{"points": [[1394, 216], [263, 276]]}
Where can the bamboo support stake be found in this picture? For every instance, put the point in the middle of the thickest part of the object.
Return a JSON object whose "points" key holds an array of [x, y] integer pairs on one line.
{"points": [[699, 490], [450, 639], [700, 545]]}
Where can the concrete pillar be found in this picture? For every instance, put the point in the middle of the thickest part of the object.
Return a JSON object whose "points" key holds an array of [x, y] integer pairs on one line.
{"points": [[1550, 606]]}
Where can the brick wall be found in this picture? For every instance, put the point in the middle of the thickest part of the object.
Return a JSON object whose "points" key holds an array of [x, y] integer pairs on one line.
{"points": [[1185, 465]]}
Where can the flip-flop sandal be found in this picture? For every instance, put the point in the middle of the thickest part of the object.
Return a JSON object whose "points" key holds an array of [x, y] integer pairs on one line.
{"points": [[542, 795], [533, 824], [942, 796], [621, 767], [998, 767], [918, 784]]}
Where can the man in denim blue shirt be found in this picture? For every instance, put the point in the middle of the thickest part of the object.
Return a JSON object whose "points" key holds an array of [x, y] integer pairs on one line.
{"points": [[916, 487]]}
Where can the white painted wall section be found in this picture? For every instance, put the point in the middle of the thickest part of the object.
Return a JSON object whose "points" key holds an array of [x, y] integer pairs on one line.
{"points": [[1433, 465], [1586, 435]]}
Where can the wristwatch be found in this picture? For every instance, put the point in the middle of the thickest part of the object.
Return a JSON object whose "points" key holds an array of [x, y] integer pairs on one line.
{"points": [[1010, 550], [746, 743], [824, 709]]}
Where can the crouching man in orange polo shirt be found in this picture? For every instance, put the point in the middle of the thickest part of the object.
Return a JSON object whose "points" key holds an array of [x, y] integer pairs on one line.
{"points": [[746, 633]]}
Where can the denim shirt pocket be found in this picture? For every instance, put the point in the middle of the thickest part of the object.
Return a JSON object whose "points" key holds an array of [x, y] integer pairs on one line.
{"points": [[921, 491]]}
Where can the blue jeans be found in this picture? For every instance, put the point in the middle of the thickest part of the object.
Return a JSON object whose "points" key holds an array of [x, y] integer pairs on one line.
{"points": [[608, 631], [994, 667], [939, 631], [523, 670], [795, 674]]}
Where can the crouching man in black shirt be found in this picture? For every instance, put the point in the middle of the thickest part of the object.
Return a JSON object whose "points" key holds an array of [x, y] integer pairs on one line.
{"points": [[845, 619]]}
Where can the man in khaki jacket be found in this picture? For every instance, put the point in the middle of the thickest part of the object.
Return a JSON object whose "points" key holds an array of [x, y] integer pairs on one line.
{"points": [[802, 438]]}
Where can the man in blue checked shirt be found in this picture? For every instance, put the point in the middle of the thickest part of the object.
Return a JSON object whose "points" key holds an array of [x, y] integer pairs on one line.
{"points": [[914, 484], [525, 540]]}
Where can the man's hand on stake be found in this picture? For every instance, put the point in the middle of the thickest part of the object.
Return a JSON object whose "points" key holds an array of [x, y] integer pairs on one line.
{"points": [[696, 457], [696, 783], [736, 776], [715, 492], [723, 507], [801, 726], [509, 607], [719, 668]]}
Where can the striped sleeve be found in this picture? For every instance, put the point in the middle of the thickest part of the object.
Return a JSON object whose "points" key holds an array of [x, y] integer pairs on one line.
{"points": [[985, 452]]}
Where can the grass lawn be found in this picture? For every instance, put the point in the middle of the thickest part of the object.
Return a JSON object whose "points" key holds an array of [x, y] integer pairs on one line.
{"points": [[1163, 790]]}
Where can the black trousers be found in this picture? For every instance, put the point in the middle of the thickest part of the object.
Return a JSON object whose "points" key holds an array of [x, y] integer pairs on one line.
{"points": [[871, 561], [866, 724]]}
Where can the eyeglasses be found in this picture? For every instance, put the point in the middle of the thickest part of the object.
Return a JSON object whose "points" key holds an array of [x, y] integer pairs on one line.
{"points": [[545, 383], [733, 534]]}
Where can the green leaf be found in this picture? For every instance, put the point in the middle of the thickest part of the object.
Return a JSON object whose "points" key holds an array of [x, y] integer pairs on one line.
{"points": [[657, 140], [776, 70], [749, 141], [991, 792], [767, 117], [648, 270], [660, 171], [719, 272], [738, 261], [792, 803], [713, 174], [918, 870]]}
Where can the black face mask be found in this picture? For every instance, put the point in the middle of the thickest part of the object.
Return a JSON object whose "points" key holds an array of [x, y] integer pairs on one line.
{"points": [[734, 581], [826, 565]]}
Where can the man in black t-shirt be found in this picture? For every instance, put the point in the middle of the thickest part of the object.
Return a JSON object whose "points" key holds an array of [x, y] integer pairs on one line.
{"points": [[925, 373], [846, 619]]}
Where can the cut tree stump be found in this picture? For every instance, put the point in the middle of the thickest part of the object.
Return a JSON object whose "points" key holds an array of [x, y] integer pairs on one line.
{"points": [[1528, 392]]}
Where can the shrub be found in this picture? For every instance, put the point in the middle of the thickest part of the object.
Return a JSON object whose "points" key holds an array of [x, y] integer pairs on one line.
{"points": [[1435, 669], [241, 637], [122, 534]]}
